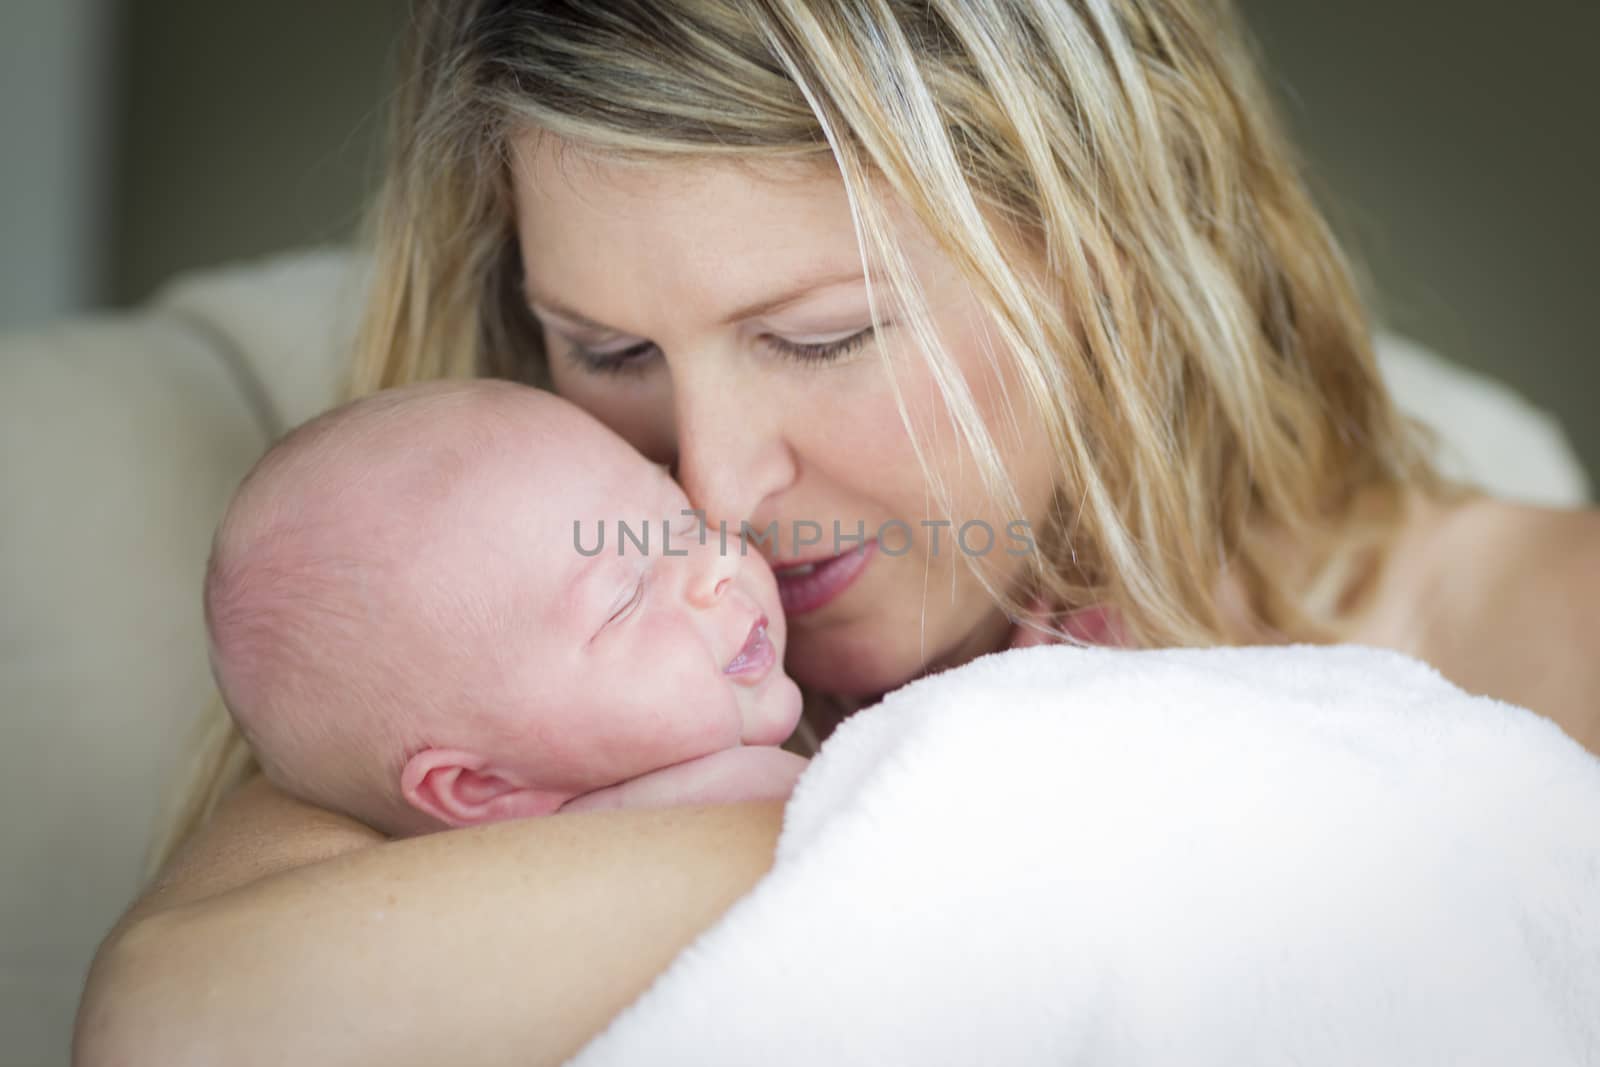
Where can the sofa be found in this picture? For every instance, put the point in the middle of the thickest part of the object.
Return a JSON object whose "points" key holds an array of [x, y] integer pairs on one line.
{"points": [[122, 435]]}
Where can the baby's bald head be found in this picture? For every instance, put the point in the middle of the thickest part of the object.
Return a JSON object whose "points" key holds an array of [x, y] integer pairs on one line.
{"points": [[346, 604]]}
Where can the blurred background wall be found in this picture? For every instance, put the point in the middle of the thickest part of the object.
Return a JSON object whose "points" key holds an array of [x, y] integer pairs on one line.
{"points": [[57, 83], [244, 128], [1451, 140], [1454, 144]]}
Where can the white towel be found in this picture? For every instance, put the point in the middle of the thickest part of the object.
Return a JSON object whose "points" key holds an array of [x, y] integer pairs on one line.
{"points": [[1234, 856]]}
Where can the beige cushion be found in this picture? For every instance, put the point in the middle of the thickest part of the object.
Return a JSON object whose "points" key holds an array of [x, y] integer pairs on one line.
{"points": [[121, 437], [287, 322], [1489, 436]]}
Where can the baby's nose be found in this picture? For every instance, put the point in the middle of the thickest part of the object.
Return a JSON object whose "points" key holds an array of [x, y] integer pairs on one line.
{"points": [[712, 572]]}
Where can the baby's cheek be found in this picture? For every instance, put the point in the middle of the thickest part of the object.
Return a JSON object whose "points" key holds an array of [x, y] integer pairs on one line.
{"points": [[694, 705], [709, 715]]}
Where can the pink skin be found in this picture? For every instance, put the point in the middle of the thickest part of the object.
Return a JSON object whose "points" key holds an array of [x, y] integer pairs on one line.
{"points": [[613, 667], [1099, 625], [673, 264]]}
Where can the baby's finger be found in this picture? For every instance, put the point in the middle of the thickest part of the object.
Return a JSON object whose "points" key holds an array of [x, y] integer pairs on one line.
{"points": [[731, 776]]}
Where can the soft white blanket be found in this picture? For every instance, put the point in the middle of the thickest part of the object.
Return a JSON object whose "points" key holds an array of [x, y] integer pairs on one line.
{"points": [[1246, 856]]}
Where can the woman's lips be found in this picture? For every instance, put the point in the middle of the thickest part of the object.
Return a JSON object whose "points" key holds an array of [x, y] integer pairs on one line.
{"points": [[755, 659], [817, 584]]}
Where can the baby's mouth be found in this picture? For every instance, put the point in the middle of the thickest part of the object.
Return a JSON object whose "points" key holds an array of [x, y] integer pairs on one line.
{"points": [[755, 658]]}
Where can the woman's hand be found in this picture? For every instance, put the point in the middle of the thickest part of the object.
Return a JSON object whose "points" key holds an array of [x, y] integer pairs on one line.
{"points": [[287, 935]]}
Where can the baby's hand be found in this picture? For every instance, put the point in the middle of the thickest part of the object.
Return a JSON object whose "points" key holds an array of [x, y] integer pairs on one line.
{"points": [[727, 777]]}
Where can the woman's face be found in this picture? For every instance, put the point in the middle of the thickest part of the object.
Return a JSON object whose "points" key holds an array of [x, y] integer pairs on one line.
{"points": [[716, 317]]}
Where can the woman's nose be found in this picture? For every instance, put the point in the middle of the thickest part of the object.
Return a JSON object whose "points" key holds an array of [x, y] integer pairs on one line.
{"points": [[731, 456]]}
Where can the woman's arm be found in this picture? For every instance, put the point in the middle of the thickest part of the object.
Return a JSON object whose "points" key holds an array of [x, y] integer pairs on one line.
{"points": [[288, 935]]}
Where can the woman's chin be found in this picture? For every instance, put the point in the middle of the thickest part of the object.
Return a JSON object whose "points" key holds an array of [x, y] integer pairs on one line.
{"points": [[848, 661], [851, 666]]}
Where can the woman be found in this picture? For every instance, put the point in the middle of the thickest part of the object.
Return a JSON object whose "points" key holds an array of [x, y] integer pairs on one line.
{"points": [[854, 263]]}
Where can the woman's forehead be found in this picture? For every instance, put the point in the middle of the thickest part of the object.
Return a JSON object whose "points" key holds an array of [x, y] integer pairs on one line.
{"points": [[626, 246], [548, 158], [694, 211]]}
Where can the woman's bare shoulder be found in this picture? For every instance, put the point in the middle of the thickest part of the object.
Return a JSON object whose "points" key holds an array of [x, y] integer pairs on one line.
{"points": [[1511, 604]]}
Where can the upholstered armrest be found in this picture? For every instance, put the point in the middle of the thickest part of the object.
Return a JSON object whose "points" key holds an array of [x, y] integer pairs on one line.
{"points": [[120, 440]]}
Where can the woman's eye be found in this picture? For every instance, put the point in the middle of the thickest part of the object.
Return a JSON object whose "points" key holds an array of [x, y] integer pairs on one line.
{"points": [[637, 358], [821, 353], [629, 360]]}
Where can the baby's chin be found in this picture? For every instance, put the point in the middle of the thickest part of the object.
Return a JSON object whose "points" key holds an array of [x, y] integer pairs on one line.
{"points": [[776, 712]]}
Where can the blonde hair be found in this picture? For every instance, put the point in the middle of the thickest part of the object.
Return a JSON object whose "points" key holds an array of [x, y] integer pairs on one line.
{"points": [[1109, 176]]}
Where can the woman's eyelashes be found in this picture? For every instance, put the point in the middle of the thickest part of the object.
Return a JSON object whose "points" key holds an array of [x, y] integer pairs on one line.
{"points": [[637, 358], [821, 352], [630, 360]]}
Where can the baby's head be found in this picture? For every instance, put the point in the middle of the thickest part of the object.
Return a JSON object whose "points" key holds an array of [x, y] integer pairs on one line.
{"points": [[404, 627]]}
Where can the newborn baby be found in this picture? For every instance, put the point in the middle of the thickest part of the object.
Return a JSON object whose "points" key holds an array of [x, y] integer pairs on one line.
{"points": [[404, 628]]}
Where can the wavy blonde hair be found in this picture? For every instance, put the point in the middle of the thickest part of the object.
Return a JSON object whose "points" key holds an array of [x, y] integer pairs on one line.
{"points": [[1108, 175]]}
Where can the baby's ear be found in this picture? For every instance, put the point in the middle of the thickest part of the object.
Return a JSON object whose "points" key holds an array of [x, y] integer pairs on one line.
{"points": [[460, 788]]}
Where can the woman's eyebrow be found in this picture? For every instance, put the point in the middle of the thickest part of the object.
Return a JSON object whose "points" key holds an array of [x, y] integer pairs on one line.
{"points": [[556, 309]]}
